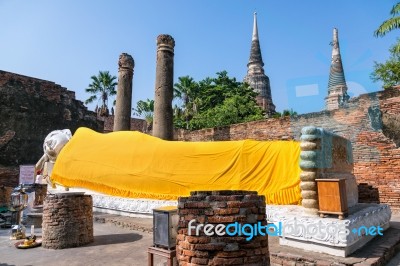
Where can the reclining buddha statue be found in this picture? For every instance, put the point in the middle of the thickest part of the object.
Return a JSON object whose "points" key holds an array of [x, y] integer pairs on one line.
{"points": [[135, 165]]}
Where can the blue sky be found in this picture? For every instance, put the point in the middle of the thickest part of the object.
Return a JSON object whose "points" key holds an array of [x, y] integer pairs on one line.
{"points": [[67, 41]]}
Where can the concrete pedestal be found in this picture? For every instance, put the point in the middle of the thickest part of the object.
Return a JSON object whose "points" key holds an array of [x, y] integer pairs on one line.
{"points": [[329, 235]]}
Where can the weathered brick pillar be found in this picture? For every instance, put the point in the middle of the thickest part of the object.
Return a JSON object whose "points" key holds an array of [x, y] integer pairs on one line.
{"points": [[67, 220], [163, 116], [123, 107], [211, 208]]}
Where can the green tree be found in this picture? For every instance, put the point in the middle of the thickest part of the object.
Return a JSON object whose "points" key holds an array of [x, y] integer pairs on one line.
{"points": [[102, 86], [186, 91], [145, 109], [233, 110], [390, 24], [277, 115], [388, 72], [288, 112], [214, 102]]}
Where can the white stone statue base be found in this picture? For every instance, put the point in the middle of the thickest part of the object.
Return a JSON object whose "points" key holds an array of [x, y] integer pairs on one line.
{"points": [[329, 235], [128, 206], [122, 206]]}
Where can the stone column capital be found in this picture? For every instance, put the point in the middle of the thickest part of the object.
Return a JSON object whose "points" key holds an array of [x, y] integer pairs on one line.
{"points": [[165, 42], [125, 62]]}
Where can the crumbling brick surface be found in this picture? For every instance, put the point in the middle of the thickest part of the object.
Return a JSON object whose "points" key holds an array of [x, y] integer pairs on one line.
{"points": [[205, 207], [67, 221], [30, 109]]}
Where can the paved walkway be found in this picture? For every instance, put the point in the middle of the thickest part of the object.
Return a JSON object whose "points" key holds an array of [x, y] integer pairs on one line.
{"points": [[115, 243], [112, 245]]}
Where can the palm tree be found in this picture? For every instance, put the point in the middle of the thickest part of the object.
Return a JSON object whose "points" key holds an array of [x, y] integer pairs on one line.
{"points": [[102, 86], [390, 24], [186, 90], [146, 109]]}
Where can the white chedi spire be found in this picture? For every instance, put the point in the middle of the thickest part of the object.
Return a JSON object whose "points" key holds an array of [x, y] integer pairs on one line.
{"points": [[255, 29]]}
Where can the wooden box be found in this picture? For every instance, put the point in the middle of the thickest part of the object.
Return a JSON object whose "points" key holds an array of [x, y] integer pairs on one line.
{"points": [[332, 197]]}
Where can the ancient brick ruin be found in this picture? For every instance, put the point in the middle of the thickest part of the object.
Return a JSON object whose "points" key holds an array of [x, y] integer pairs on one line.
{"points": [[67, 220], [136, 124], [337, 87], [256, 77], [30, 109], [221, 207]]}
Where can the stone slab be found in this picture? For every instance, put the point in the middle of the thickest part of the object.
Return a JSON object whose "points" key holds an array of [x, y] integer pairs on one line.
{"points": [[133, 207], [329, 235]]}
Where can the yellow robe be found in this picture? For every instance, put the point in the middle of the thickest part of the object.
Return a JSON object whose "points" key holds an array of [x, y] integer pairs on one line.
{"points": [[136, 165]]}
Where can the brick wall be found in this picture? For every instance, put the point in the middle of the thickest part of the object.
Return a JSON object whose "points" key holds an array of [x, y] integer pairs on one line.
{"points": [[30, 109], [136, 124], [372, 124]]}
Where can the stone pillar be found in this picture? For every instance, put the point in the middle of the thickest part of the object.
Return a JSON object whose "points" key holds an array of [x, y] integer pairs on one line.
{"points": [[163, 115], [212, 208], [67, 220], [310, 144], [123, 108]]}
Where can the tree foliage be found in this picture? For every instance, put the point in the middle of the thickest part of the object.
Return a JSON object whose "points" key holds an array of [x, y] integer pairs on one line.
{"points": [[145, 109], [214, 102], [389, 71], [186, 91], [102, 86], [390, 24], [285, 113]]}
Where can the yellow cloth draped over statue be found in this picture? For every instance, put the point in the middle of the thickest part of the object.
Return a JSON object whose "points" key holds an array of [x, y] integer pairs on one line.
{"points": [[136, 165]]}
